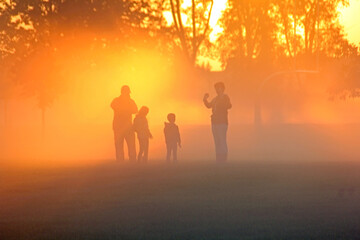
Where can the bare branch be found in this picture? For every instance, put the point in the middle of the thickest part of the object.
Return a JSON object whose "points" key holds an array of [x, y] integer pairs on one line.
{"points": [[174, 15], [206, 26], [194, 44]]}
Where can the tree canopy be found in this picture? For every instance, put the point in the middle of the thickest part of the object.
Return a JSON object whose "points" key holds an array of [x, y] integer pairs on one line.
{"points": [[261, 34]]}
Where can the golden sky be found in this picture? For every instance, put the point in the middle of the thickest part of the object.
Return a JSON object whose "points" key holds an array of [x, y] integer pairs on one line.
{"points": [[349, 17], [351, 20]]}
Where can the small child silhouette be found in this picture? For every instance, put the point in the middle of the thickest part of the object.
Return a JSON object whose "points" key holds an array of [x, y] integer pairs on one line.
{"points": [[141, 128], [172, 137]]}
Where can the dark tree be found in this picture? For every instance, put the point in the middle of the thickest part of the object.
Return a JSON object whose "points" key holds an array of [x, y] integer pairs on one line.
{"points": [[31, 30], [193, 33]]}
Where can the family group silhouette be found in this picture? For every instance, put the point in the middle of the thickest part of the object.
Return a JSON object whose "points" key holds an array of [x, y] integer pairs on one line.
{"points": [[125, 127]]}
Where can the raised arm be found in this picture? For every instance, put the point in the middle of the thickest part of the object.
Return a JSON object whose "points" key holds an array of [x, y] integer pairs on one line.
{"points": [[206, 102]]}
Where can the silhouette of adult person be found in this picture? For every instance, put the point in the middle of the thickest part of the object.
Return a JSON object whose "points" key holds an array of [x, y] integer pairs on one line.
{"points": [[124, 107], [219, 119]]}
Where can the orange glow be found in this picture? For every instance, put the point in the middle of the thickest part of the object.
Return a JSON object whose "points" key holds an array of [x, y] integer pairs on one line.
{"points": [[78, 124], [348, 17], [218, 8]]}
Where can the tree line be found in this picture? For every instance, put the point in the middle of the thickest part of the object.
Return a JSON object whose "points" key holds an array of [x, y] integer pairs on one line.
{"points": [[259, 37]]}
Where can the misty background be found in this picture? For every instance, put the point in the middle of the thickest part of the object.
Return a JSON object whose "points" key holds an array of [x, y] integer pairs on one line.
{"points": [[62, 63]]}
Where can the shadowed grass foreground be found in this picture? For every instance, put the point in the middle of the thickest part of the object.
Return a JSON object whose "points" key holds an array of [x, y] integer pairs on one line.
{"points": [[184, 201]]}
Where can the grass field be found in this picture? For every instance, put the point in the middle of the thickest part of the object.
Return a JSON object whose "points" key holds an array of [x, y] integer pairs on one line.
{"points": [[202, 200]]}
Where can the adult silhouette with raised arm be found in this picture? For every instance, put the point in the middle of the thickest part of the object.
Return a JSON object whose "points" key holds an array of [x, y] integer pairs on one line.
{"points": [[124, 107], [219, 120]]}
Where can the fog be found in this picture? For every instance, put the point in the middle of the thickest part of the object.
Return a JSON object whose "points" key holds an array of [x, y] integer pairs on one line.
{"points": [[299, 120]]}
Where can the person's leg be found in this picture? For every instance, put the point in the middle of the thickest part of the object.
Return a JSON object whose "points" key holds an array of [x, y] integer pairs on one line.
{"points": [[141, 150], [174, 149], [146, 149], [223, 142], [130, 141], [168, 152], [215, 132], [119, 145]]}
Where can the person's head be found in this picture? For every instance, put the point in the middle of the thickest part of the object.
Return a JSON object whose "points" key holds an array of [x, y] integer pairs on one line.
{"points": [[143, 111], [125, 90], [219, 87], [171, 117]]}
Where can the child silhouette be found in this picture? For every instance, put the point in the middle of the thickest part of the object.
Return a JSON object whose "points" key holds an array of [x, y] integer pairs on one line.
{"points": [[172, 137], [141, 128]]}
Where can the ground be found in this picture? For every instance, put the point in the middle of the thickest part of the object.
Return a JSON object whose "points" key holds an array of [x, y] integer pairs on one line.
{"points": [[193, 200]]}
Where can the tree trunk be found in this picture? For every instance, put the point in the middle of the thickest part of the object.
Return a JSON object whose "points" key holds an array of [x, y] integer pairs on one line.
{"points": [[295, 44], [176, 13], [190, 44], [317, 34], [194, 43]]}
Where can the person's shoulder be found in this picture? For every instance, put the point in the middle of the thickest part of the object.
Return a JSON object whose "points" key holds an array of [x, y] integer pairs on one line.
{"points": [[116, 102], [116, 99], [174, 127], [226, 96]]}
